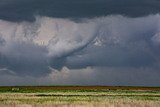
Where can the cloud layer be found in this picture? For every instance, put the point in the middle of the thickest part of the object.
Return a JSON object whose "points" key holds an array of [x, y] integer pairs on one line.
{"points": [[20, 10], [89, 76], [101, 47]]}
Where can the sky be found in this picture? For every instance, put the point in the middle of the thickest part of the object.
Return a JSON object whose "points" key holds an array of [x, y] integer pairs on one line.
{"points": [[80, 42]]}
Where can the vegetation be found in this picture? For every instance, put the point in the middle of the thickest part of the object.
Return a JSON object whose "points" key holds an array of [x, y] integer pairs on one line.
{"points": [[82, 96]]}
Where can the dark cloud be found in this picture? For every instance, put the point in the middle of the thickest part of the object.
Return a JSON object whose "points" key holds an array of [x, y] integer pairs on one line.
{"points": [[113, 41], [25, 59], [121, 42], [19, 10], [2, 41], [115, 48]]}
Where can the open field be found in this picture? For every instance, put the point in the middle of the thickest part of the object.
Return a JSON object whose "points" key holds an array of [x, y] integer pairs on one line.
{"points": [[79, 96]]}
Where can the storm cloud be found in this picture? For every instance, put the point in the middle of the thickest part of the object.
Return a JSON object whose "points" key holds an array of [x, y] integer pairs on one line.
{"points": [[53, 42], [20, 10]]}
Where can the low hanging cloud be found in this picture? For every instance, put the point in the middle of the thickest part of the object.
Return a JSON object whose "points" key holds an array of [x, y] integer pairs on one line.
{"points": [[57, 48], [89, 76]]}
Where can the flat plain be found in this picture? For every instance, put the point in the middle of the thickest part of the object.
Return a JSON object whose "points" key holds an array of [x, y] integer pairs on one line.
{"points": [[79, 96]]}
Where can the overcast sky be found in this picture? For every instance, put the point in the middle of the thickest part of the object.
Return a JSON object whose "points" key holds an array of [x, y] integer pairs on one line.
{"points": [[80, 42]]}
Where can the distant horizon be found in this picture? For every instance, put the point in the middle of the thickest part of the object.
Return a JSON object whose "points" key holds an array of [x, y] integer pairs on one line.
{"points": [[79, 86]]}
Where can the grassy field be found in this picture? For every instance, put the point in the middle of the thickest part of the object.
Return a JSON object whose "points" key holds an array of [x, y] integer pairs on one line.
{"points": [[79, 96]]}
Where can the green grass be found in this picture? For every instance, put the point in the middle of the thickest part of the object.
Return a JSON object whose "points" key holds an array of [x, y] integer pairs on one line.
{"points": [[73, 96], [44, 89], [40, 94]]}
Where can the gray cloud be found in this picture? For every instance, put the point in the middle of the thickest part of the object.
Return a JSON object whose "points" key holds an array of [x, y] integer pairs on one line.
{"points": [[121, 42], [20, 10], [90, 76], [112, 46], [25, 59], [2, 41]]}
